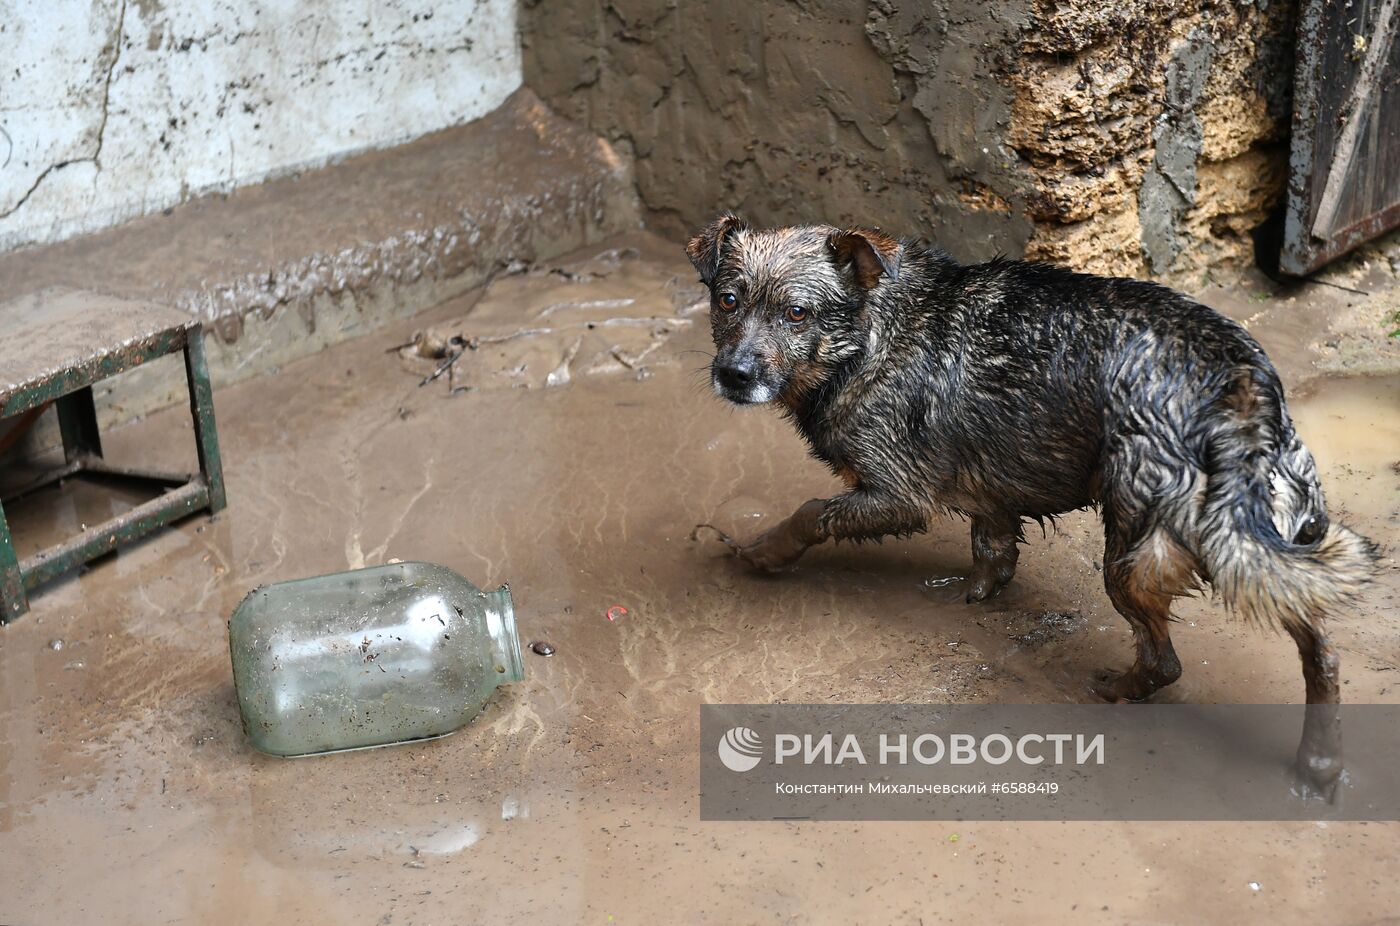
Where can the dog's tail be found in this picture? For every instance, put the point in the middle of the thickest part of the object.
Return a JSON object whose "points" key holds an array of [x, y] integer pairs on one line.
{"points": [[1263, 532]]}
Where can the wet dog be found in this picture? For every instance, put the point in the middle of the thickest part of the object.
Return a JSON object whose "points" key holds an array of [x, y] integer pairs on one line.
{"points": [[1007, 391]]}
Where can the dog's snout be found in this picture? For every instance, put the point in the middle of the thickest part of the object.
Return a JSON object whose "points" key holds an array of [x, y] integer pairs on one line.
{"points": [[737, 373]]}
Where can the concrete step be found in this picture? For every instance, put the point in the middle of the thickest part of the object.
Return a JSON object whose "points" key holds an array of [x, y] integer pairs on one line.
{"points": [[283, 269]]}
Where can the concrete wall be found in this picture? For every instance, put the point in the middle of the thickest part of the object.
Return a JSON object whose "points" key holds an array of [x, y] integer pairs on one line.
{"points": [[111, 109], [1128, 136]]}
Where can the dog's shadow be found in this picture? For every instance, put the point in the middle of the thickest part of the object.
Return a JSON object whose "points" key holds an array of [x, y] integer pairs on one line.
{"points": [[1032, 634]]}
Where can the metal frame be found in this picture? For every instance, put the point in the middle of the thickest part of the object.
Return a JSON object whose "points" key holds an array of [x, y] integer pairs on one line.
{"points": [[71, 391]]}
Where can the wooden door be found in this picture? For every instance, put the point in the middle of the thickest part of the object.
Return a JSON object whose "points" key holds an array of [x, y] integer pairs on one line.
{"points": [[1344, 171]]}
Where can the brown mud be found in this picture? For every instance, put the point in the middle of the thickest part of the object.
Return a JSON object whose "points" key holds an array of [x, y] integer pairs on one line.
{"points": [[129, 795], [1112, 137]]}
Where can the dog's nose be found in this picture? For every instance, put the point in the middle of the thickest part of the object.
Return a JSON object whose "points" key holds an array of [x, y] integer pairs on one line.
{"points": [[736, 374]]}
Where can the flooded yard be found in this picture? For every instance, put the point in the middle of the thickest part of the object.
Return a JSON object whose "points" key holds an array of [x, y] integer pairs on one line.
{"points": [[571, 451]]}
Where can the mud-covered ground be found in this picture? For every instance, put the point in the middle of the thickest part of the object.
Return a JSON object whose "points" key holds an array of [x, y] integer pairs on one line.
{"points": [[571, 452]]}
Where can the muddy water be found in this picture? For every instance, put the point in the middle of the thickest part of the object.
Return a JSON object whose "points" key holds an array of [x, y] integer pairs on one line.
{"points": [[128, 794]]}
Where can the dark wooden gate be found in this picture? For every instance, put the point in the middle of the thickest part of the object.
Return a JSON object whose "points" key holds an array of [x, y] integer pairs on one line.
{"points": [[1344, 172]]}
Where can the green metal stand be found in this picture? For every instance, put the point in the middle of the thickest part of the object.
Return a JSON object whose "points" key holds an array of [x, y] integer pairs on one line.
{"points": [[69, 385]]}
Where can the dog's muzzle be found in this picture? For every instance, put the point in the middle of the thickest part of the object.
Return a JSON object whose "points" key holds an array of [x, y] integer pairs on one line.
{"points": [[738, 380]]}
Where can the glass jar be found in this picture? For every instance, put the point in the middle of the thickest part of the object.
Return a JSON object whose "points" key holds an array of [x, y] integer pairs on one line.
{"points": [[369, 657]]}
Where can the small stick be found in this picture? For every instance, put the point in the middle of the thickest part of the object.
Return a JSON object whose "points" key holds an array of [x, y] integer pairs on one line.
{"points": [[1359, 292], [446, 365], [723, 537]]}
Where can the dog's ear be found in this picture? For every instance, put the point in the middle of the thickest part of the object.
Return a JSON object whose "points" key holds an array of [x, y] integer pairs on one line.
{"points": [[706, 248], [871, 251]]}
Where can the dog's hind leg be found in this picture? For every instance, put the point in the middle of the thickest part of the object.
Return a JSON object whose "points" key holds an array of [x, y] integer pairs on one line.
{"points": [[995, 549], [1320, 751], [1142, 578]]}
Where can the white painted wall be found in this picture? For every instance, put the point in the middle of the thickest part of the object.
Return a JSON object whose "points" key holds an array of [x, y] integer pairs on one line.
{"points": [[111, 109]]}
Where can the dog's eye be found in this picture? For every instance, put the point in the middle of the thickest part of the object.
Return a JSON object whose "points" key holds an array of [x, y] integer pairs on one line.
{"points": [[797, 313], [728, 301]]}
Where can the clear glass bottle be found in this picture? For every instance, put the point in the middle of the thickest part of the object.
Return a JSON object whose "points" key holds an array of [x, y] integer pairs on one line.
{"points": [[369, 657]]}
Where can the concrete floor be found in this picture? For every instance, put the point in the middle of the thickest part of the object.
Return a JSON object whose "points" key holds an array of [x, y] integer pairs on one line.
{"points": [[574, 462]]}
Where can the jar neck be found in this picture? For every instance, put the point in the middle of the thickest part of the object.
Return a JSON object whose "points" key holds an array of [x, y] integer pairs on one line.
{"points": [[505, 641]]}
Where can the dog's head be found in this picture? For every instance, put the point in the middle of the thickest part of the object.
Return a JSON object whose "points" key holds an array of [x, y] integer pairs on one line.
{"points": [[787, 306]]}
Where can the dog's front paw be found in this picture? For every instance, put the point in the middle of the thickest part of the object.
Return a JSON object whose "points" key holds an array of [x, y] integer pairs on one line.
{"points": [[784, 544], [772, 551], [980, 588], [988, 578]]}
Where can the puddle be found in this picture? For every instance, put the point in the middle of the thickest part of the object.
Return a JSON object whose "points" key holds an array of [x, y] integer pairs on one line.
{"points": [[50, 515], [1352, 427]]}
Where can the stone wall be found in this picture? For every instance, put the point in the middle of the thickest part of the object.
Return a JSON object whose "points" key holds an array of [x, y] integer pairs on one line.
{"points": [[1133, 136], [1153, 131]]}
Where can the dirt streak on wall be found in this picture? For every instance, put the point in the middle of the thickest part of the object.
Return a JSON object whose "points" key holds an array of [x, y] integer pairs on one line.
{"points": [[1134, 136]]}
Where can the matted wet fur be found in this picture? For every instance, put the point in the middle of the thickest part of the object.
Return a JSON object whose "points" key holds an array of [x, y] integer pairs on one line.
{"points": [[1008, 390]]}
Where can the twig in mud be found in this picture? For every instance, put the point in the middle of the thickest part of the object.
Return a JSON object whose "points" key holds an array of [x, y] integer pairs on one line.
{"points": [[443, 368], [629, 321], [476, 342], [1349, 289], [473, 343], [724, 538], [458, 340], [485, 285], [584, 304]]}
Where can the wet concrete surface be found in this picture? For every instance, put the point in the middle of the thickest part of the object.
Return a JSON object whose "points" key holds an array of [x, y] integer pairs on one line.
{"points": [[128, 793], [280, 270]]}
